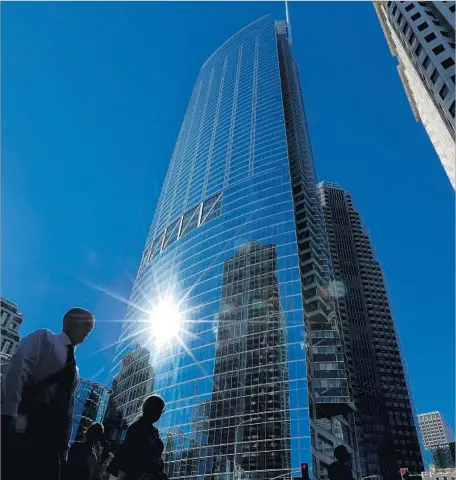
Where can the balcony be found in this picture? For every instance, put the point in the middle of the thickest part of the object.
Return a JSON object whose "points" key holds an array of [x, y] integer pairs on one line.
{"points": [[316, 312]]}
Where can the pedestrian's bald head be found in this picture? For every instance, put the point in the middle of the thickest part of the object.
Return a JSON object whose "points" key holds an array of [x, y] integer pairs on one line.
{"points": [[77, 324]]}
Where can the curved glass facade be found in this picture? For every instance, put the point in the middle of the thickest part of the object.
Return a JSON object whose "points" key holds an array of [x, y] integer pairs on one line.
{"points": [[216, 326]]}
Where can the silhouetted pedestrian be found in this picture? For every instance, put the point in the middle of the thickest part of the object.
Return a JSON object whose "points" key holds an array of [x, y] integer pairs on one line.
{"points": [[140, 456], [38, 398], [83, 457], [340, 469]]}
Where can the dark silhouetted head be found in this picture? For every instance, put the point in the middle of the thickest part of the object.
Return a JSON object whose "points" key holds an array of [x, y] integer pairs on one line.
{"points": [[94, 432], [341, 453], [153, 407], [77, 324]]}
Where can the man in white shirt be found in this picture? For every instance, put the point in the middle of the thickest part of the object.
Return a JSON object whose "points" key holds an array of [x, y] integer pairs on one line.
{"points": [[38, 398]]}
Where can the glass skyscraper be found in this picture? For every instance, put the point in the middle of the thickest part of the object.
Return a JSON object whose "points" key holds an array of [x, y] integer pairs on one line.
{"points": [[233, 320]]}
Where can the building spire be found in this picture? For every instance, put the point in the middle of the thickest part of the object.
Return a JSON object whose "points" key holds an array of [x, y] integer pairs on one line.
{"points": [[287, 20]]}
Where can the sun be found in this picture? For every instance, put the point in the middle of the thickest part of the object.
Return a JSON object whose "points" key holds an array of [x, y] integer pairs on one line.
{"points": [[164, 321]]}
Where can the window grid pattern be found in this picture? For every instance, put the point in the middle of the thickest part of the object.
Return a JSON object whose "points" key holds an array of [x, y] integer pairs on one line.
{"points": [[431, 49]]}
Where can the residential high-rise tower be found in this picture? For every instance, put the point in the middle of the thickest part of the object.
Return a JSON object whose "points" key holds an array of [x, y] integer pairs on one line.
{"points": [[385, 422], [422, 36], [231, 299]]}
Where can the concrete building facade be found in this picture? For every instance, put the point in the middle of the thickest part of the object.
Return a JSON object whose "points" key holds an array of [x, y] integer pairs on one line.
{"points": [[422, 37], [11, 320]]}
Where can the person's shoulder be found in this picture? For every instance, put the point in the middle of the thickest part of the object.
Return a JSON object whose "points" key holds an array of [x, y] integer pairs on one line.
{"points": [[135, 428], [77, 444], [39, 335], [135, 425], [76, 448], [40, 332]]}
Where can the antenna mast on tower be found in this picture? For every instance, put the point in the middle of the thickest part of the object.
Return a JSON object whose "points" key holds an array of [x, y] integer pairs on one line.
{"points": [[287, 20]]}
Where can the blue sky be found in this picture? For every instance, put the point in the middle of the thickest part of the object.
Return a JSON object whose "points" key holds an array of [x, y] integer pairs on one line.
{"points": [[93, 95]]}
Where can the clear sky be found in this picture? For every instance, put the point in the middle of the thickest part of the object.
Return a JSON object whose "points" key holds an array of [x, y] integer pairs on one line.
{"points": [[93, 95]]}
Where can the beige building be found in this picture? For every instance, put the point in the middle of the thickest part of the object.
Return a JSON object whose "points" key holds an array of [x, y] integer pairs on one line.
{"points": [[439, 474], [421, 35]]}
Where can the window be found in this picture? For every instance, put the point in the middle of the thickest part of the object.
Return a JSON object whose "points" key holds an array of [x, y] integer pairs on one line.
{"points": [[445, 34], [190, 220], [443, 92], [434, 75], [400, 18], [452, 78], [156, 247], [426, 61], [418, 49], [394, 10], [171, 233], [211, 208], [438, 49], [409, 7], [452, 8], [6, 346], [452, 109], [405, 28], [447, 63], [4, 318], [416, 16], [423, 26], [411, 38], [430, 37]]}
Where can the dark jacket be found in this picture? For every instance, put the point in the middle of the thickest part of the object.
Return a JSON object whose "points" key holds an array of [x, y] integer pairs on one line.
{"points": [[82, 459], [141, 452], [339, 471]]}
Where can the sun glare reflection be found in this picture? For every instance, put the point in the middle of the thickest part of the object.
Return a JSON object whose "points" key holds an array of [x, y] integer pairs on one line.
{"points": [[165, 321]]}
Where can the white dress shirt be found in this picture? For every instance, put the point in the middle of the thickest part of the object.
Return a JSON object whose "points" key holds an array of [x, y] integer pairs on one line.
{"points": [[39, 355]]}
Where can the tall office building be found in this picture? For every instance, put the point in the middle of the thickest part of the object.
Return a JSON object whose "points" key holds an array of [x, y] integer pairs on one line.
{"points": [[385, 423], [438, 438], [422, 36], [231, 300]]}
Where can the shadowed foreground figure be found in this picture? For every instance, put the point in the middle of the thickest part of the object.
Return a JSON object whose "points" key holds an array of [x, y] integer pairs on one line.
{"points": [[340, 469], [140, 456], [38, 398], [84, 456]]}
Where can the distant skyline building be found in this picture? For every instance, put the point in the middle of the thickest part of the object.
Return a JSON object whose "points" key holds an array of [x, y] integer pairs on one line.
{"points": [[238, 244], [11, 321], [439, 474], [438, 438], [422, 37], [385, 423], [434, 429]]}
